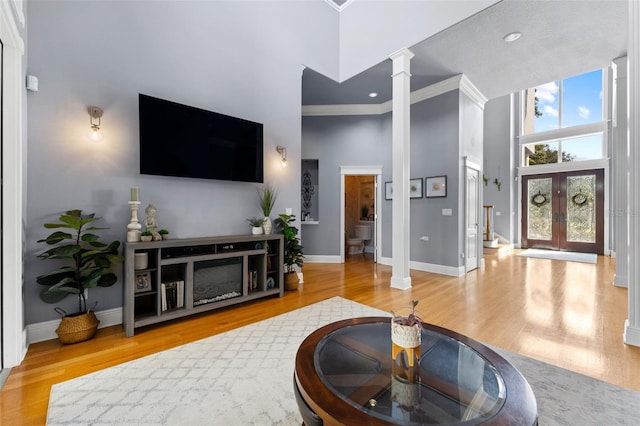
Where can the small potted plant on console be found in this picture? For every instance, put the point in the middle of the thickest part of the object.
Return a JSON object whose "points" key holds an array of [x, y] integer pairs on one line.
{"points": [[256, 225], [146, 235], [164, 233]]}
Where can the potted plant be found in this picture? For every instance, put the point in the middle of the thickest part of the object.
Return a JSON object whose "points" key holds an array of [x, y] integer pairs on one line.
{"points": [[406, 332], [292, 250], [256, 225], [266, 200], [146, 235], [164, 233], [88, 262]]}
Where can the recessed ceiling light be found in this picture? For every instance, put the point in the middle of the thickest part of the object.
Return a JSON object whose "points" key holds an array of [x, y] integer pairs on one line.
{"points": [[512, 37], [373, 94]]}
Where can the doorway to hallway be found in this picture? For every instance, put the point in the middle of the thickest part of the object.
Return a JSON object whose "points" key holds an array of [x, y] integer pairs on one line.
{"points": [[564, 211]]}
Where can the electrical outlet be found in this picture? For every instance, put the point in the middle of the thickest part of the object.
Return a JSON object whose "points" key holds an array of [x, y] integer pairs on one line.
{"points": [[424, 238]]}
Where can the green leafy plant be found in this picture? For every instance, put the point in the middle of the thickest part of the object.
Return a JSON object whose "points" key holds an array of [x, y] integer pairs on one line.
{"points": [[88, 259], [255, 222], [267, 199], [411, 319], [292, 249], [163, 232], [146, 233]]}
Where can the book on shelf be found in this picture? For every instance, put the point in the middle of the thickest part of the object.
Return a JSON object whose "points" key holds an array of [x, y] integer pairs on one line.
{"points": [[172, 296]]}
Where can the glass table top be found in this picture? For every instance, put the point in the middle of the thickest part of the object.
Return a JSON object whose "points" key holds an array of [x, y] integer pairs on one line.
{"points": [[451, 383]]}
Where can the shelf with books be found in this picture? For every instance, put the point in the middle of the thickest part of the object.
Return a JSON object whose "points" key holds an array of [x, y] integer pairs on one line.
{"points": [[193, 275]]}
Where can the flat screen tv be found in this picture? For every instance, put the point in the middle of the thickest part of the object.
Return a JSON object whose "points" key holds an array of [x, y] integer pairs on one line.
{"points": [[181, 140]]}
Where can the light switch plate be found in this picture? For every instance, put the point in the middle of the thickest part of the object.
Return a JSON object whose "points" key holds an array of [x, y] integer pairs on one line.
{"points": [[447, 212]]}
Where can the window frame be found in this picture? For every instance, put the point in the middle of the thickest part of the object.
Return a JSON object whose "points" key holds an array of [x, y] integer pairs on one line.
{"points": [[600, 127]]}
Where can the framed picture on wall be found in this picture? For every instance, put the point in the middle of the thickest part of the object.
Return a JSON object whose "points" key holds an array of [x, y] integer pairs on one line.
{"points": [[436, 186], [388, 190], [415, 188]]}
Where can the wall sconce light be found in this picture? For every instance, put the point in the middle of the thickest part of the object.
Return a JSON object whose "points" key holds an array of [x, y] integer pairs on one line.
{"points": [[95, 114], [283, 152]]}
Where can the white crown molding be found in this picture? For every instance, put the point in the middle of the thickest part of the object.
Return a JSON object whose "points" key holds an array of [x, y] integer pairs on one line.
{"points": [[351, 109], [336, 7], [458, 82], [469, 89]]}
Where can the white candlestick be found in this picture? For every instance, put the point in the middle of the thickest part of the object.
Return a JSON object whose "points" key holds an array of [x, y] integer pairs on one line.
{"points": [[134, 226]]}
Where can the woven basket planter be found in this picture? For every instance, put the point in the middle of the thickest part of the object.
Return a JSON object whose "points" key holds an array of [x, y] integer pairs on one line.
{"points": [[77, 328], [405, 336]]}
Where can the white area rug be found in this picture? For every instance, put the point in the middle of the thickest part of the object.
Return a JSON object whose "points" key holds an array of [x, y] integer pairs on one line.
{"points": [[245, 377], [560, 255]]}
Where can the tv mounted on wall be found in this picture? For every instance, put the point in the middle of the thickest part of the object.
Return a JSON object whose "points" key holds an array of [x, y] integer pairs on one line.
{"points": [[185, 141]]}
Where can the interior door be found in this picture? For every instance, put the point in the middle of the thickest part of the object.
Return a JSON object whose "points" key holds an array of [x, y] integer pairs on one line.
{"points": [[472, 218], [564, 211]]}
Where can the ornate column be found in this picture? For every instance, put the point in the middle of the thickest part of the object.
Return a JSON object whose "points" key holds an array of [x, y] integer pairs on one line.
{"points": [[619, 184], [400, 127], [632, 324]]}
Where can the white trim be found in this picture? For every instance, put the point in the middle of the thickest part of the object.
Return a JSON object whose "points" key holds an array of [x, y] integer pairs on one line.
{"points": [[18, 10], [571, 166], [375, 171], [565, 133], [632, 326], [322, 259], [336, 7], [458, 82], [631, 335], [39, 332], [352, 109], [452, 271], [14, 333]]}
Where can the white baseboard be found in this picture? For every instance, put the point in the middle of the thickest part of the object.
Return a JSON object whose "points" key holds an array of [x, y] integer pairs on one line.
{"points": [[631, 334], [429, 267], [322, 259], [39, 332]]}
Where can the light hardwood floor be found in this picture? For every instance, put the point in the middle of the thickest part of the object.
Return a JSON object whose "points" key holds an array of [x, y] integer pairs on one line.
{"points": [[564, 313]]}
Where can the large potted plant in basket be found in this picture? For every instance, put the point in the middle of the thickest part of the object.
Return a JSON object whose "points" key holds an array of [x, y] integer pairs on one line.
{"points": [[87, 263], [293, 255]]}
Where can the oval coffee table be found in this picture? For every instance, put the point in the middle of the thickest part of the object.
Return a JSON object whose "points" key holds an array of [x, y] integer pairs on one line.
{"points": [[345, 375]]}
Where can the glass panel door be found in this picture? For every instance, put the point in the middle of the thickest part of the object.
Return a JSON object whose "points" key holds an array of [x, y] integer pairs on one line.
{"points": [[564, 211]]}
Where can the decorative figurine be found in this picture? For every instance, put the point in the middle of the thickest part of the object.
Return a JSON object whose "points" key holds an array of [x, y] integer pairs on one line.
{"points": [[150, 222]]}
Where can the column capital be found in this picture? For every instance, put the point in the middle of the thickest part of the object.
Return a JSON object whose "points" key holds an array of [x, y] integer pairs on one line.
{"points": [[401, 59]]}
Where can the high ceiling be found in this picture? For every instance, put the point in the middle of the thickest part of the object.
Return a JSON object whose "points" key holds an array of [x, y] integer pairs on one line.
{"points": [[560, 38]]}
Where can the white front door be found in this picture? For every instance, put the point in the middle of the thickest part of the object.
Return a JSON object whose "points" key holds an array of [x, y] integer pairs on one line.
{"points": [[472, 218]]}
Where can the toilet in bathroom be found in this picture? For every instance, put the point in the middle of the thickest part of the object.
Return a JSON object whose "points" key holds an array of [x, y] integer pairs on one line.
{"points": [[355, 245]]}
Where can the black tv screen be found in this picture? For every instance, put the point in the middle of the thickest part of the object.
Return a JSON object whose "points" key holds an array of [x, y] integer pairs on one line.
{"points": [[181, 140]]}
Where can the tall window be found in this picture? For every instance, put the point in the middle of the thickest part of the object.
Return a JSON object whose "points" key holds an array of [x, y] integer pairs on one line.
{"points": [[564, 121]]}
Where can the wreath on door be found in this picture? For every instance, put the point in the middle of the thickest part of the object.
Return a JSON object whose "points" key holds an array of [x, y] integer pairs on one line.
{"points": [[539, 199]]}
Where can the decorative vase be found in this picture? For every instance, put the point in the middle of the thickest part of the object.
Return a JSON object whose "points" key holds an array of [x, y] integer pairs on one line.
{"points": [[405, 336], [291, 281], [267, 225], [146, 238], [141, 260], [77, 328], [165, 236], [256, 230]]}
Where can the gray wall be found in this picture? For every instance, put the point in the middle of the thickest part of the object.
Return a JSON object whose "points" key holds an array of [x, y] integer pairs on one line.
{"points": [[366, 140], [498, 155], [213, 55], [335, 142]]}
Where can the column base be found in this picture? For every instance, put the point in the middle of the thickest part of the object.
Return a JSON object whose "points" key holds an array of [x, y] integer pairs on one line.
{"points": [[401, 283], [631, 335]]}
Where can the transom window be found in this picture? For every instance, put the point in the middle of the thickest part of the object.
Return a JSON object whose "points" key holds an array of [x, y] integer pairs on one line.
{"points": [[563, 121]]}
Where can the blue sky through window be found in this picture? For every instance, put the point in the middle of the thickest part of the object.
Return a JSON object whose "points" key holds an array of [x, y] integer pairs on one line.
{"points": [[581, 104]]}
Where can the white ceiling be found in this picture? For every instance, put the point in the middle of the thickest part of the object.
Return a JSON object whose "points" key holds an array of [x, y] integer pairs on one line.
{"points": [[560, 38]]}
